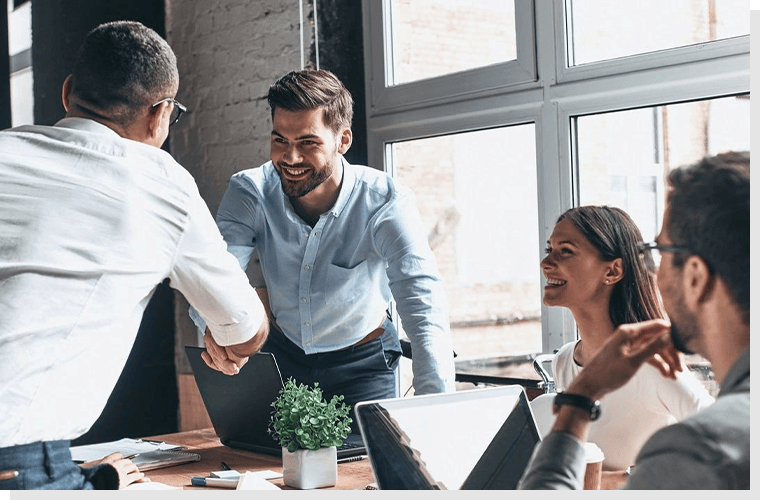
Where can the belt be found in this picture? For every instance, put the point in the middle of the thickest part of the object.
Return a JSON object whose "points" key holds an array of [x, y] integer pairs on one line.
{"points": [[370, 336]]}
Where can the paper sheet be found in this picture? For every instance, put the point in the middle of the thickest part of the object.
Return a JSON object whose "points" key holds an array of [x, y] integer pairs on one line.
{"points": [[257, 481], [127, 446]]}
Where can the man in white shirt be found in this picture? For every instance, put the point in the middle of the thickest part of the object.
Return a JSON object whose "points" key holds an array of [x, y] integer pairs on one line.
{"points": [[93, 216]]}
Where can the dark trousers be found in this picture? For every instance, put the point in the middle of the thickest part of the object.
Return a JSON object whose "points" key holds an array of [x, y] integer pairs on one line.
{"points": [[360, 373], [48, 466]]}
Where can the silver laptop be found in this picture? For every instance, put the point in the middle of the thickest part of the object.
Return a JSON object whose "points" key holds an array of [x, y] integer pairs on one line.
{"points": [[478, 439], [240, 406]]}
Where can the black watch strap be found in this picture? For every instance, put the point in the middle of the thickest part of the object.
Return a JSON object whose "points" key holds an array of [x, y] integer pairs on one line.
{"points": [[593, 407]]}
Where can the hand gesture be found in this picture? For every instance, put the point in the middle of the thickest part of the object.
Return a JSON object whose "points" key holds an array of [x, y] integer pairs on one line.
{"points": [[623, 354], [220, 358]]}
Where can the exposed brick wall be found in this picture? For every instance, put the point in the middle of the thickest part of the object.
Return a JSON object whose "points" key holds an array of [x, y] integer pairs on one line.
{"points": [[228, 53]]}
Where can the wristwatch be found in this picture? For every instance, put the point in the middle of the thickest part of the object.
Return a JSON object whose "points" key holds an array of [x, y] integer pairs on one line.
{"points": [[593, 407]]}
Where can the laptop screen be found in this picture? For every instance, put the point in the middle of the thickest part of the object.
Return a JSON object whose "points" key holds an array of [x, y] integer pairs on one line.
{"points": [[476, 439]]}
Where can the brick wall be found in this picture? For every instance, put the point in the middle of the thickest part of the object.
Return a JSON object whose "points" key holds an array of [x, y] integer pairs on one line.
{"points": [[228, 53]]}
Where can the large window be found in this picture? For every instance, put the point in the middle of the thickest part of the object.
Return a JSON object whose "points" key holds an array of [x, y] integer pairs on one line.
{"points": [[499, 125], [20, 50], [482, 211]]}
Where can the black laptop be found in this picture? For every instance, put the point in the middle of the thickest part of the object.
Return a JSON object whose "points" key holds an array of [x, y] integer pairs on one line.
{"points": [[240, 406], [480, 439]]}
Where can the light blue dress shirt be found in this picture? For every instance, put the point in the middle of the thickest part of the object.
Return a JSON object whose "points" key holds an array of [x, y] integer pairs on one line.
{"points": [[330, 285]]}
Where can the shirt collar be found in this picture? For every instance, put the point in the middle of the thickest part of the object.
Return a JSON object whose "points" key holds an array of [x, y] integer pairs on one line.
{"points": [[738, 372], [86, 125], [346, 188]]}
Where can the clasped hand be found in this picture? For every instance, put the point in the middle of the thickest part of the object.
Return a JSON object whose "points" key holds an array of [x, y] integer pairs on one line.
{"points": [[220, 358]]}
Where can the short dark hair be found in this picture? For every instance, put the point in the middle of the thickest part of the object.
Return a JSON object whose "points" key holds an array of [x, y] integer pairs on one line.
{"points": [[122, 66], [615, 235], [311, 89], [708, 213]]}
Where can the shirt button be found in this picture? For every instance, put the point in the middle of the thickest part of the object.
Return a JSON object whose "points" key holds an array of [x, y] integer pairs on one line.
{"points": [[307, 324], [304, 299], [307, 267]]}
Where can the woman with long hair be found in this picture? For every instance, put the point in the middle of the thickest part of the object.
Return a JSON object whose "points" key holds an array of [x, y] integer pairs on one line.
{"points": [[593, 268]]}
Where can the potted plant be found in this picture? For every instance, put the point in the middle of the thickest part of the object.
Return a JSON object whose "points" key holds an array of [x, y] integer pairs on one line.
{"points": [[309, 429]]}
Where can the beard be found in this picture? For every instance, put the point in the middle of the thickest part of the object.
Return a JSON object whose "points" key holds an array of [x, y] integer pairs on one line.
{"points": [[684, 328], [679, 339], [297, 189]]}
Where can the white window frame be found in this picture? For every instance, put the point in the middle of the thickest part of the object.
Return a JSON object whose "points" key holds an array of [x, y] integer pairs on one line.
{"points": [[545, 92]]}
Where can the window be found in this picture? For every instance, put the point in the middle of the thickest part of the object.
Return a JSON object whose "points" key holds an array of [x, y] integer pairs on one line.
{"points": [[482, 211], [20, 50], [586, 102], [597, 32], [468, 34], [623, 157]]}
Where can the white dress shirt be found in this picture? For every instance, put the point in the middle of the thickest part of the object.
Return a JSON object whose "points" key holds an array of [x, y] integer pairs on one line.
{"points": [[90, 224]]}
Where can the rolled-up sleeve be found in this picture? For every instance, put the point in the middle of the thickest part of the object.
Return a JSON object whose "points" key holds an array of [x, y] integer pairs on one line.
{"points": [[419, 293]]}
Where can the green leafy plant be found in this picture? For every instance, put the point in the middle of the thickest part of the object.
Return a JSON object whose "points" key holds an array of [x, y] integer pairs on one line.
{"points": [[302, 419]]}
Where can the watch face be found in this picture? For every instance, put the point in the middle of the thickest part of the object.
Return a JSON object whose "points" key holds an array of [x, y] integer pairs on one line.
{"points": [[596, 410]]}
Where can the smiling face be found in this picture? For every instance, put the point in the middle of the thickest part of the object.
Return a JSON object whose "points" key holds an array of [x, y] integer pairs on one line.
{"points": [[574, 271], [306, 153]]}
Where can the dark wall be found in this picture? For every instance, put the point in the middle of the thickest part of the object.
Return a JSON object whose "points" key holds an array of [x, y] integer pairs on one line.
{"points": [[145, 400], [5, 73], [59, 28], [341, 50]]}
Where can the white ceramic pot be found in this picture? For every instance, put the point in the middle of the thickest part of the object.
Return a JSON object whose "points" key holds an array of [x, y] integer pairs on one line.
{"points": [[309, 469]]}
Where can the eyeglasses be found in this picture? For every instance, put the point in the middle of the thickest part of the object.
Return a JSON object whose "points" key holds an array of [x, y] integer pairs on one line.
{"points": [[177, 111], [651, 252]]}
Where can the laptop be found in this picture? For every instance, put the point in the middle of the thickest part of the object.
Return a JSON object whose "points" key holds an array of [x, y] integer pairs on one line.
{"points": [[240, 406], [479, 439]]}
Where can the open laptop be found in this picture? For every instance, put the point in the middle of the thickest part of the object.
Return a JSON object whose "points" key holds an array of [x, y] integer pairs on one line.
{"points": [[240, 406], [478, 439]]}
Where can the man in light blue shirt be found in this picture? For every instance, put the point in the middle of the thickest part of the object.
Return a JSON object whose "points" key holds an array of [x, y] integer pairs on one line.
{"points": [[336, 243]]}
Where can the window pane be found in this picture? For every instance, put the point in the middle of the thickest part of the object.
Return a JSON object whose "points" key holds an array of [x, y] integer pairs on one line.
{"points": [[623, 157], [22, 99], [20, 29], [599, 29], [480, 207], [433, 38]]}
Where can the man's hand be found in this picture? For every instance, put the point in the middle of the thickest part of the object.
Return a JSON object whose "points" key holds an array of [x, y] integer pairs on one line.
{"points": [[623, 354], [220, 358]]}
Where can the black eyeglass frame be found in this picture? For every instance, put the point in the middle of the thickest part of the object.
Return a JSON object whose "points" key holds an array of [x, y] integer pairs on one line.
{"points": [[646, 250], [181, 109]]}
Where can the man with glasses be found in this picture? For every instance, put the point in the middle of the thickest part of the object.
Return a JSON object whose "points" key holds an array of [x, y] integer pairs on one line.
{"points": [[702, 261], [93, 217]]}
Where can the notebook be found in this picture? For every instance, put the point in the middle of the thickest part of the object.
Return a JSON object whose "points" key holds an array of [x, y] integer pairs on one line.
{"points": [[150, 455], [477, 439], [240, 406]]}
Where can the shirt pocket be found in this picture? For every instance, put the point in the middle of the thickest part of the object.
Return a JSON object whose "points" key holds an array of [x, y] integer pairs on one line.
{"points": [[346, 284]]}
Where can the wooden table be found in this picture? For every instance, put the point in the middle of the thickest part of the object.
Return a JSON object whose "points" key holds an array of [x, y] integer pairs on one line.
{"points": [[351, 475]]}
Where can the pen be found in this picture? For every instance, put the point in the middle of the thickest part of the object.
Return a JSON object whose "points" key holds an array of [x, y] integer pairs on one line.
{"points": [[214, 481], [351, 459]]}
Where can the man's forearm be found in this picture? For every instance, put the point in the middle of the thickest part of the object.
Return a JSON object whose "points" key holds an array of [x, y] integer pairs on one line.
{"points": [[253, 345]]}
